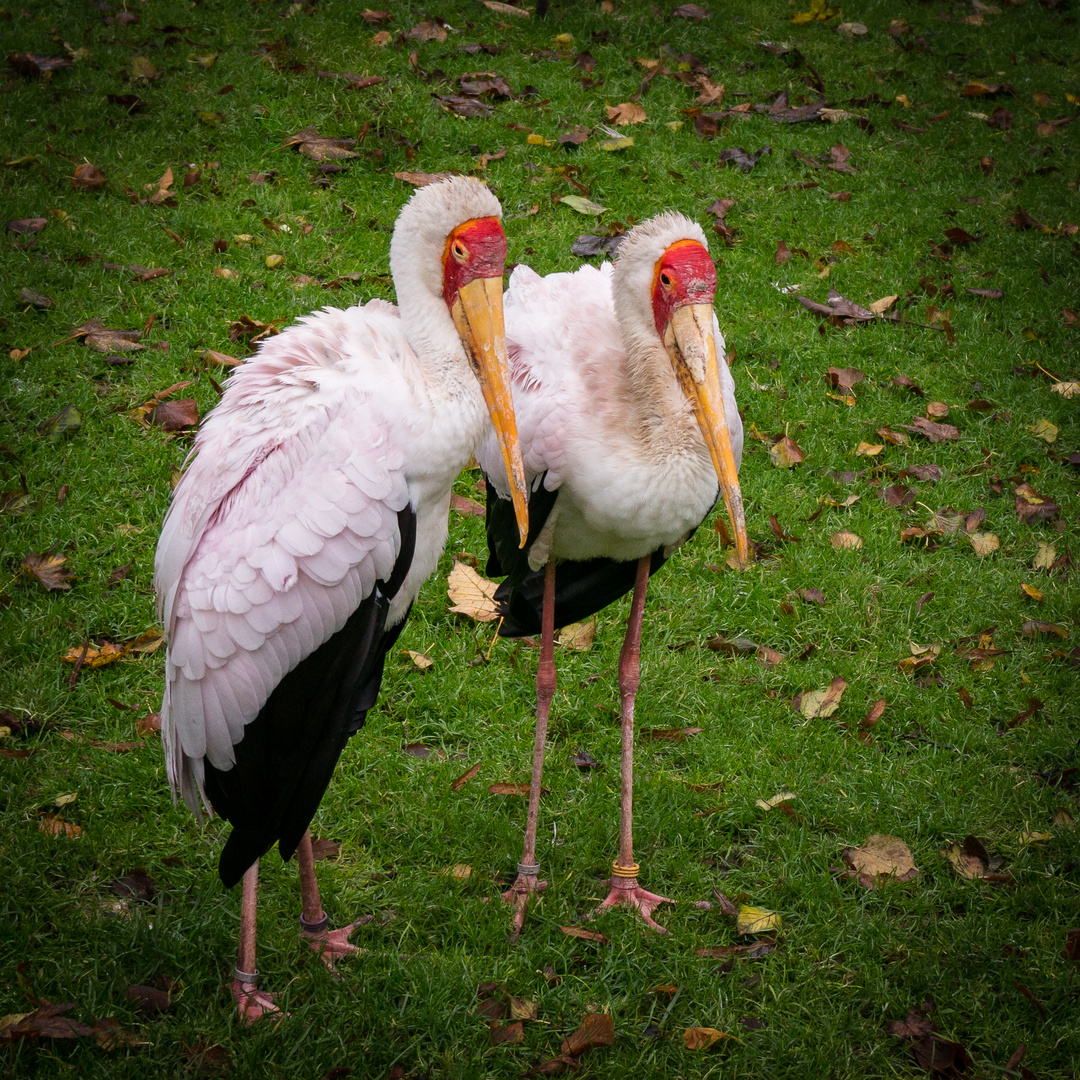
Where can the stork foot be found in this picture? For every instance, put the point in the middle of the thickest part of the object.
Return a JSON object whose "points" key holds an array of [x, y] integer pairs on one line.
{"points": [[517, 896], [627, 892], [330, 945], [252, 1003]]}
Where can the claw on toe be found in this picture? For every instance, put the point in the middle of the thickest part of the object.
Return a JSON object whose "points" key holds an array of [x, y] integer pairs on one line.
{"points": [[331, 945], [626, 891], [251, 1003], [517, 896]]}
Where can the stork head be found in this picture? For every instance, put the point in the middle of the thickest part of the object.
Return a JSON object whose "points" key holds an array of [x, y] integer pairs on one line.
{"points": [[459, 219], [683, 286]]}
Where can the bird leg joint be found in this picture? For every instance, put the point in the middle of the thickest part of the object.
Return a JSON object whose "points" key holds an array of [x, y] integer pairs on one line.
{"points": [[316, 927]]}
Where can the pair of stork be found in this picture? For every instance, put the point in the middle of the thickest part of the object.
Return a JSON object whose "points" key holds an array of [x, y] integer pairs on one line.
{"points": [[316, 504]]}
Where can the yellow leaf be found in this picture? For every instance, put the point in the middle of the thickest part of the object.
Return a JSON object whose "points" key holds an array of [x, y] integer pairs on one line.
{"points": [[205, 60], [865, 449], [1044, 430], [274, 262], [420, 660], [1066, 389], [472, 594], [755, 920], [776, 800], [902, 99], [616, 144], [879, 307], [822, 702], [1045, 557], [564, 41], [64, 800], [142, 68], [460, 871], [226, 273], [1035, 594], [383, 37], [537, 140], [506, 9], [1029, 836]]}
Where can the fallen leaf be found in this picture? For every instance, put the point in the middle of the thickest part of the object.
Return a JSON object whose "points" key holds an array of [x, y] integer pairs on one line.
{"points": [[755, 920], [825, 702], [1033, 627], [471, 594], [585, 935], [1035, 594], [88, 177], [502, 1034], [1031, 506], [628, 112], [1043, 429], [55, 825], [784, 452], [508, 789], [701, 1038], [47, 570], [420, 660], [845, 539], [984, 543], [743, 158], [583, 205], [881, 859], [46, 1021], [597, 1029], [776, 800], [465, 777], [579, 636]]}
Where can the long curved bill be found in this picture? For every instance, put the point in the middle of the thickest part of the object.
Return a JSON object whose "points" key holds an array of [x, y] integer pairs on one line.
{"points": [[692, 346], [478, 315]]}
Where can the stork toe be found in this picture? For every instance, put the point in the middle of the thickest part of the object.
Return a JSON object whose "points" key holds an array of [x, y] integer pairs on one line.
{"points": [[332, 945], [517, 896], [629, 893], [252, 1004]]}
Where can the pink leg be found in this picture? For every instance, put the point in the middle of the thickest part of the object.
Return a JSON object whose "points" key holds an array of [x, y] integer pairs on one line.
{"points": [[528, 869], [624, 884], [251, 1003], [328, 945]]}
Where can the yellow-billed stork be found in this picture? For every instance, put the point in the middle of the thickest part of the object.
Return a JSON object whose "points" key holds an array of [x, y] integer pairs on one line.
{"points": [[314, 508], [629, 435]]}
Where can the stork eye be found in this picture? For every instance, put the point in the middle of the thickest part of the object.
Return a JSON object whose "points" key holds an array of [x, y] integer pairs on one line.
{"points": [[665, 280], [459, 251]]}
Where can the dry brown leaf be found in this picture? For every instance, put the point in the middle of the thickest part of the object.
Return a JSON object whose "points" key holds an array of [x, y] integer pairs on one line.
{"points": [[472, 595], [508, 789], [47, 570], [585, 935], [55, 825], [420, 660], [701, 1038], [880, 859], [629, 112], [845, 538], [88, 177], [597, 1029], [465, 777]]}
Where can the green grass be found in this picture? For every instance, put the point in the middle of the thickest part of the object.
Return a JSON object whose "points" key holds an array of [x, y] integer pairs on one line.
{"points": [[850, 960]]}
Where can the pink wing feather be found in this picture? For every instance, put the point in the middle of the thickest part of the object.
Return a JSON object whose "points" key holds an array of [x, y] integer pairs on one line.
{"points": [[275, 535]]}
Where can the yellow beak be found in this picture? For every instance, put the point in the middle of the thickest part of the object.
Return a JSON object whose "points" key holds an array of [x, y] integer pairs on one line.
{"points": [[690, 343], [478, 315]]}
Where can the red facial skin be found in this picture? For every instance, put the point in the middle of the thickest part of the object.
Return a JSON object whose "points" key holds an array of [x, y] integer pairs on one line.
{"points": [[684, 275], [475, 249]]}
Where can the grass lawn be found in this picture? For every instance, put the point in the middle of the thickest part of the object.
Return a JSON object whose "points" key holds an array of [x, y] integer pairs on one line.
{"points": [[974, 654]]}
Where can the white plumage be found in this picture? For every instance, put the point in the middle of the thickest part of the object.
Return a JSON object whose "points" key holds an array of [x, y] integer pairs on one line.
{"points": [[629, 422], [312, 510]]}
